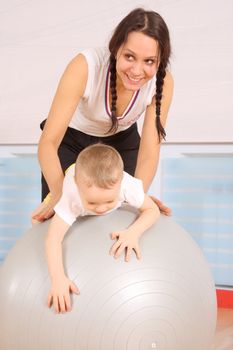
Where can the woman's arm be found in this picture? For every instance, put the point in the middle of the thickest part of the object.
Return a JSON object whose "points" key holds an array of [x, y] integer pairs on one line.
{"points": [[149, 150], [69, 92]]}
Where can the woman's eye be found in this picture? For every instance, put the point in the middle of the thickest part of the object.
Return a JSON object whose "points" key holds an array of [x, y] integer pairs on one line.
{"points": [[129, 57], [150, 62]]}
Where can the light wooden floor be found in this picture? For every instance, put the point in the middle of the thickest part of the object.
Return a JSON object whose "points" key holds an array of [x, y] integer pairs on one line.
{"points": [[224, 332]]}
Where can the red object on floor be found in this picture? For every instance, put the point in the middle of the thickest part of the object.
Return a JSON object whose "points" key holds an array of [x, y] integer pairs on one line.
{"points": [[225, 298]]}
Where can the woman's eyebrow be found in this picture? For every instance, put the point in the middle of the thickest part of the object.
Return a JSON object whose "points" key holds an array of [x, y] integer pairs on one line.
{"points": [[133, 53]]}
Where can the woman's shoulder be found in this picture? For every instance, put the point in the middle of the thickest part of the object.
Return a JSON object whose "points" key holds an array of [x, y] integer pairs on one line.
{"points": [[96, 55], [89, 57], [169, 78], [168, 86], [77, 64]]}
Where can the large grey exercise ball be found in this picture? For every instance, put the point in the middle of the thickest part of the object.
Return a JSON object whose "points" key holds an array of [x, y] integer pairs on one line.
{"points": [[165, 301]]}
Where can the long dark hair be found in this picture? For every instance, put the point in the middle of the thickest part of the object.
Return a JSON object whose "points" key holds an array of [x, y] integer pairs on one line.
{"points": [[152, 24]]}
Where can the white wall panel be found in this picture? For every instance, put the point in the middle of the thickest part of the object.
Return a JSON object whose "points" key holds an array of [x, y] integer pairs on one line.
{"points": [[37, 39]]}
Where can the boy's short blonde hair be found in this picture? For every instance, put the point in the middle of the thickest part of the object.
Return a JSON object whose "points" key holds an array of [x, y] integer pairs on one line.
{"points": [[100, 165]]}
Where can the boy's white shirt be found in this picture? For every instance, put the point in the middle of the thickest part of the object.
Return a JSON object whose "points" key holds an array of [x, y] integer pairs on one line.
{"points": [[70, 205]]}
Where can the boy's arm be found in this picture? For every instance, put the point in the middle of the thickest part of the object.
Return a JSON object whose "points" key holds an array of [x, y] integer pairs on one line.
{"points": [[129, 238], [59, 294], [149, 214], [56, 233]]}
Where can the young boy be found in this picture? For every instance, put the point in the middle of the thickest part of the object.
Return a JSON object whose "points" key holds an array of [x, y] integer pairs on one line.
{"points": [[95, 185]]}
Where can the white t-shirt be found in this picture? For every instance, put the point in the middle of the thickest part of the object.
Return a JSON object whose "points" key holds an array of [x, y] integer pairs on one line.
{"points": [[92, 115], [70, 205]]}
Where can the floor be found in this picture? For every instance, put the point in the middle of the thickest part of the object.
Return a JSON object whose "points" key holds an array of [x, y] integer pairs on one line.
{"points": [[224, 332]]}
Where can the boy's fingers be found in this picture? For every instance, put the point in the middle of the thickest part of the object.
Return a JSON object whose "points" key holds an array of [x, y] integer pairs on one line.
{"points": [[119, 251], [67, 302], [62, 303], [138, 253], [49, 300], [114, 248], [128, 254], [74, 288], [114, 235], [56, 304], [112, 251]]}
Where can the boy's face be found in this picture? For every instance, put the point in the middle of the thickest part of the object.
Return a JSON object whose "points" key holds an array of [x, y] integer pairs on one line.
{"points": [[96, 199]]}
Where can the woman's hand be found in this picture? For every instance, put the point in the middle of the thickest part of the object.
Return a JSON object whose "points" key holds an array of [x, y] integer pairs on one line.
{"points": [[59, 295], [126, 241], [45, 210], [163, 209]]}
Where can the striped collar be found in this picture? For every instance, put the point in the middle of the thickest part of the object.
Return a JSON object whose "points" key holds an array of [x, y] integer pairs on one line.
{"points": [[107, 107]]}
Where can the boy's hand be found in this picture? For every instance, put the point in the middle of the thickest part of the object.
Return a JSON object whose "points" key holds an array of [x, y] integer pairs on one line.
{"points": [[59, 295], [126, 241]]}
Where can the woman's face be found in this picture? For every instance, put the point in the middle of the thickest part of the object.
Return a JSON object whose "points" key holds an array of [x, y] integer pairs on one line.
{"points": [[136, 61]]}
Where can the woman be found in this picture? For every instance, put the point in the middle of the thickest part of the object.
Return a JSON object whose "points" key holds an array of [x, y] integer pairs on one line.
{"points": [[101, 95]]}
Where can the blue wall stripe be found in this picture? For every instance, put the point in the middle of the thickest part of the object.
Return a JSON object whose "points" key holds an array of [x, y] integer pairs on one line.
{"points": [[199, 189], [19, 196]]}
